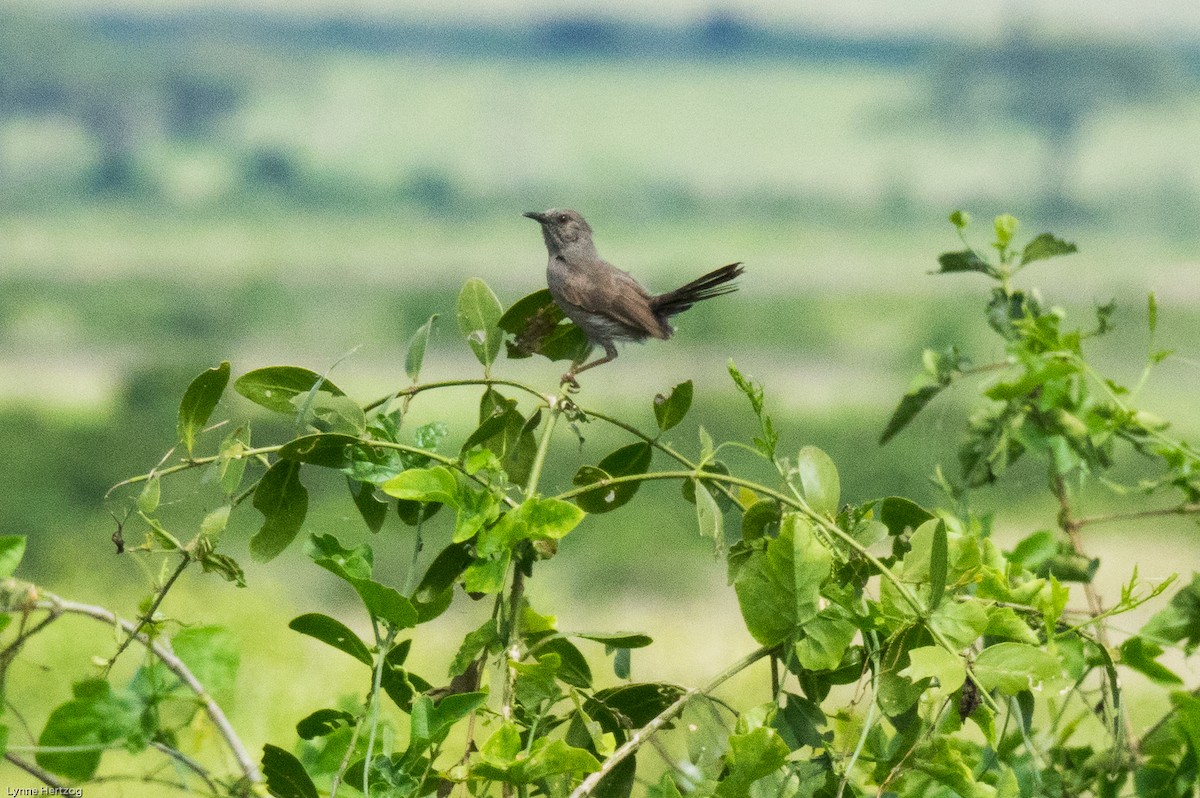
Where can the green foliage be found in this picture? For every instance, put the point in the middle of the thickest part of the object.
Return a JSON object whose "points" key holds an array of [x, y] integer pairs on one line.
{"points": [[199, 401], [916, 612]]}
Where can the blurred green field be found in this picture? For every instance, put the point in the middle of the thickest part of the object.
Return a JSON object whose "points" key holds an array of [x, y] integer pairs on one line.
{"points": [[343, 196]]}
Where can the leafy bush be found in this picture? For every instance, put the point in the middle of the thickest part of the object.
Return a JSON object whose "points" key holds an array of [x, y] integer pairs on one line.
{"points": [[909, 655]]}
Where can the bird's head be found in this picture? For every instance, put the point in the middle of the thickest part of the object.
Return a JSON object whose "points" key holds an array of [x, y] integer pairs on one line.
{"points": [[563, 229]]}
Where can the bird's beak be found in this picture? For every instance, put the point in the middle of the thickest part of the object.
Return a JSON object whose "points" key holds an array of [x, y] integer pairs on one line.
{"points": [[537, 217]]}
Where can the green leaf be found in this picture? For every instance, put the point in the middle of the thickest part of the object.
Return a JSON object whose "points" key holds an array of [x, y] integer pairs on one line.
{"points": [[960, 622], [474, 645], [436, 484], [1046, 246], [548, 519], [900, 515], [326, 413], [965, 261], [479, 313], [799, 723], [960, 219], [372, 510], [779, 588], [670, 410], [213, 656], [751, 757], [938, 563], [827, 635], [199, 401], [553, 757], [1004, 623], [1006, 227], [709, 518], [231, 465], [1140, 655], [385, 603], [910, 404], [573, 668], [275, 387], [617, 639], [430, 724], [937, 663], [325, 449], [434, 593], [283, 501], [538, 326], [215, 522], [1179, 620], [95, 717], [323, 722], [1151, 312], [626, 461], [414, 358], [334, 633], [12, 550], [148, 499], [819, 480], [637, 704], [1013, 667], [328, 552], [665, 788], [760, 517], [286, 777], [487, 575], [224, 566]]}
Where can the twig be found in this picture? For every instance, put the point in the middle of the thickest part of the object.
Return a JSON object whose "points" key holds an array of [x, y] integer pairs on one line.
{"points": [[189, 763], [639, 737], [57, 606], [1181, 509], [1071, 526], [148, 615], [33, 770], [345, 763]]}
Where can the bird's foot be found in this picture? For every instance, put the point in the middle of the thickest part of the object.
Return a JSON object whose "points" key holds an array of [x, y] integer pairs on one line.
{"points": [[569, 380]]}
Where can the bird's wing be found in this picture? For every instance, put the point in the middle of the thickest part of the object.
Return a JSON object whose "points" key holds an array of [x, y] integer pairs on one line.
{"points": [[612, 292]]}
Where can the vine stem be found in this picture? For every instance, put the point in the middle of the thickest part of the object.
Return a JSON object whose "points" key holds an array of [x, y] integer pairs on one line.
{"points": [[45, 777], [384, 644], [639, 737], [148, 615], [517, 591], [57, 606], [1179, 509], [1071, 526]]}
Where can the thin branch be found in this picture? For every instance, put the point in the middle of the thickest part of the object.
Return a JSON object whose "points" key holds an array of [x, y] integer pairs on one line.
{"points": [[189, 763], [639, 737], [58, 606], [148, 615], [33, 770], [1181, 509], [1071, 526]]}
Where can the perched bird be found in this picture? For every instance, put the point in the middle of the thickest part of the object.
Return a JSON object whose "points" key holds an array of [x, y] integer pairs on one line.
{"points": [[605, 301]]}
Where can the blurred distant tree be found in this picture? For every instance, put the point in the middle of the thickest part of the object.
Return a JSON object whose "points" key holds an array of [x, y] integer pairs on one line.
{"points": [[432, 190], [122, 93], [1051, 86], [272, 167], [196, 101]]}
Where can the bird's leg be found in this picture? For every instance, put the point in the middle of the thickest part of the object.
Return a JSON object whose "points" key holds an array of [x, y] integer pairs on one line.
{"points": [[610, 353]]}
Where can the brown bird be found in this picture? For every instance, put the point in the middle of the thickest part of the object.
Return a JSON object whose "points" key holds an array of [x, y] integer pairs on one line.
{"points": [[605, 301]]}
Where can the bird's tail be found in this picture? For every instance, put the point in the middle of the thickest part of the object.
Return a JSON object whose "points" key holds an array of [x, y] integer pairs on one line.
{"points": [[715, 283]]}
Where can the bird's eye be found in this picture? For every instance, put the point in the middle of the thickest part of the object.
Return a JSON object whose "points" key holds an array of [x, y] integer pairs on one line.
{"points": [[563, 219]]}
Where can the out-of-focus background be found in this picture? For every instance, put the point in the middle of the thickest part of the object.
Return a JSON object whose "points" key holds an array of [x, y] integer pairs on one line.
{"points": [[281, 182]]}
